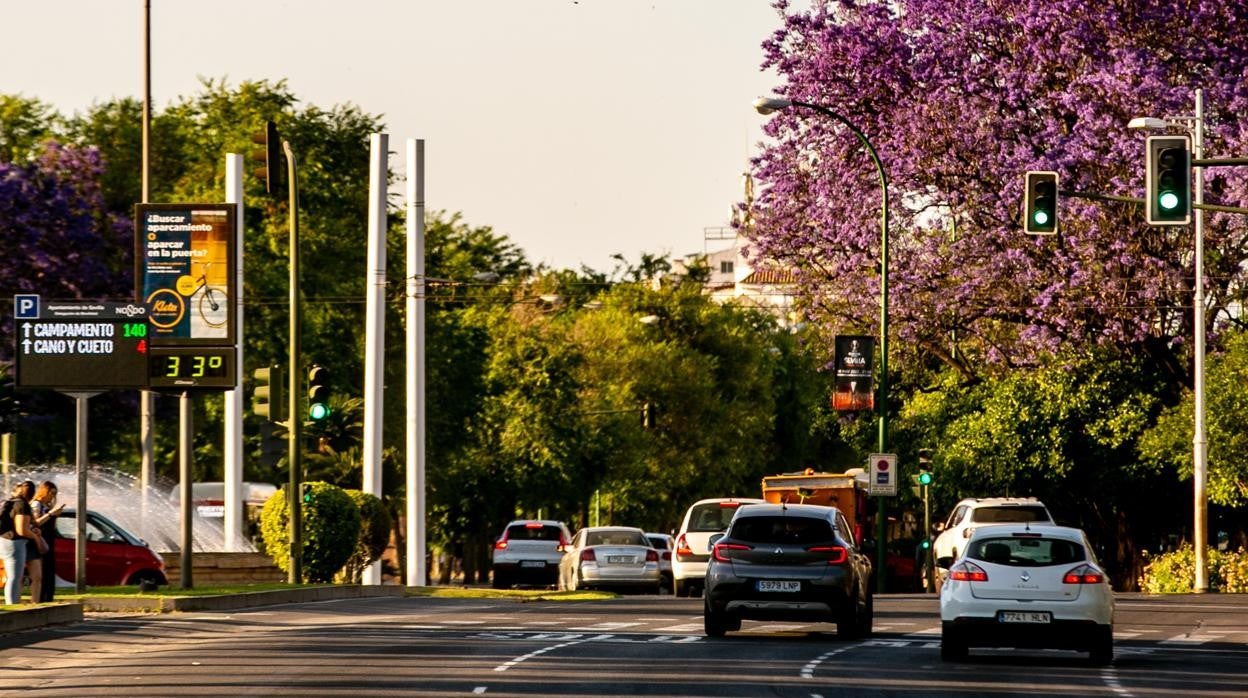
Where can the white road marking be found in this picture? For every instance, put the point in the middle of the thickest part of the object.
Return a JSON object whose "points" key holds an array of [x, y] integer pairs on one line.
{"points": [[607, 626], [927, 632], [1110, 677], [537, 653], [685, 628], [808, 671], [479, 690]]}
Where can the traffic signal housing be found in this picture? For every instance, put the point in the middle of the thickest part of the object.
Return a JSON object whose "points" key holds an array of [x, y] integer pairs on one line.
{"points": [[318, 393], [1040, 203], [267, 398], [1168, 180], [272, 172], [647, 415]]}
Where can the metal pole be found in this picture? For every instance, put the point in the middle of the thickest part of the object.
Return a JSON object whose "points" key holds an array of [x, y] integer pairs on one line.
{"points": [[882, 407], [930, 582], [186, 456], [147, 398], [233, 475], [415, 309], [80, 518], [1199, 453], [6, 456], [295, 421], [375, 326]]}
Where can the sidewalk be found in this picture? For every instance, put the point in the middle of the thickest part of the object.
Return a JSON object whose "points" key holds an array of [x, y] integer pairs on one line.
{"points": [[16, 619]]}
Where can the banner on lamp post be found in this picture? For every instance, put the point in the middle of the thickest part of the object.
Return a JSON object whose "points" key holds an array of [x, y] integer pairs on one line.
{"points": [[854, 388]]}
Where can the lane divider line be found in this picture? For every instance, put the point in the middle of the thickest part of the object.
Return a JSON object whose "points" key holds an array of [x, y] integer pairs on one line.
{"points": [[539, 652]]}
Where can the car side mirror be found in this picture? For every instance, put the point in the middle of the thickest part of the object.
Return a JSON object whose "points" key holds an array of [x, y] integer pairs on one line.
{"points": [[938, 526], [715, 538]]}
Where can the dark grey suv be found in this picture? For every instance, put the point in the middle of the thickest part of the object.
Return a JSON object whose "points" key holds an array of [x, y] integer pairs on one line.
{"points": [[788, 562]]}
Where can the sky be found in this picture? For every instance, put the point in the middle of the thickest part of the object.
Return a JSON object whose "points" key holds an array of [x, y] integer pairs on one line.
{"points": [[577, 128]]}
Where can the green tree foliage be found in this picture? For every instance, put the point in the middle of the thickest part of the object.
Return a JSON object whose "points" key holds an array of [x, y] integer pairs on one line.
{"points": [[1168, 445], [375, 526], [331, 529]]}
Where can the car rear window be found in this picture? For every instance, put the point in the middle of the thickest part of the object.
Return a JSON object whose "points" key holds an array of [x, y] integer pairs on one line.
{"points": [[615, 538], [533, 532], [781, 529], [657, 542], [1026, 552], [711, 517], [1011, 514]]}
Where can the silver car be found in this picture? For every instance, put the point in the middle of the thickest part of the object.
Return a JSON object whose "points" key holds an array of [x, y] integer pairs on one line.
{"points": [[528, 552], [663, 543], [610, 556]]}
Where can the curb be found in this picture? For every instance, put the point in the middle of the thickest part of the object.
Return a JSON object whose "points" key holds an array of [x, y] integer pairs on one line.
{"points": [[227, 602], [38, 616]]}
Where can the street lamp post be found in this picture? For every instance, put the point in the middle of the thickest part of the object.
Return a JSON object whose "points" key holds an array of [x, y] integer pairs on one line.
{"points": [[1195, 125], [767, 105]]}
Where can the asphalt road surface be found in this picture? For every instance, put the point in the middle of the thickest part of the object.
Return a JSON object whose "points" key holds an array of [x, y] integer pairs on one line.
{"points": [[1194, 646]]}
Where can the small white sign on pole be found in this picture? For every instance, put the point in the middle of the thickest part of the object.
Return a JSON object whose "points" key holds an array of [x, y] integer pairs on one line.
{"points": [[882, 470]]}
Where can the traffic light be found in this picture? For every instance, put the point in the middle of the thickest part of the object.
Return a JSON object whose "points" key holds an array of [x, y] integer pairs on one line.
{"points": [[925, 477], [1040, 203], [647, 415], [267, 397], [272, 172], [318, 393], [305, 493], [1167, 180]]}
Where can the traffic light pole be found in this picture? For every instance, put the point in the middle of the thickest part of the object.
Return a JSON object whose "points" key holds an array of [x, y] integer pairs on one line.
{"points": [[294, 417], [1200, 535]]}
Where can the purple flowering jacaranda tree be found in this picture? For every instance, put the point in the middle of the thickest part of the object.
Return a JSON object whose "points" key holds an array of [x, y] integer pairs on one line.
{"points": [[960, 98]]}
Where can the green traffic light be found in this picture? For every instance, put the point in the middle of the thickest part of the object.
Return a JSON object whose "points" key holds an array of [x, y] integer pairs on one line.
{"points": [[1168, 200], [925, 544], [925, 478], [1040, 217], [318, 411]]}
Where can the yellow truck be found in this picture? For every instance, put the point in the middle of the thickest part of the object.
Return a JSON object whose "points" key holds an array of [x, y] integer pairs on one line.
{"points": [[846, 491]]}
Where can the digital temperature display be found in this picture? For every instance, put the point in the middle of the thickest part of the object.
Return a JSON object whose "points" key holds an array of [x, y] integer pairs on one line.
{"points": [[187, 367]]}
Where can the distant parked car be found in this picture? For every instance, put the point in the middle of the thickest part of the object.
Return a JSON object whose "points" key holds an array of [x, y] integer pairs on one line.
{"points": [[1025, 585], [663, 543], [610, 556], [794, 562], [528, 552], [115, 557], [693, 541]]}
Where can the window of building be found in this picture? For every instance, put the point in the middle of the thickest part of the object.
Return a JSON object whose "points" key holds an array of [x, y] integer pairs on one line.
{"points": [[725, 267]]}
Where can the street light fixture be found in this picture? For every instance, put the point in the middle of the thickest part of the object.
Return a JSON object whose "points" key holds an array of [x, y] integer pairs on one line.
{"points": [[767, 105], [1195, 125]]}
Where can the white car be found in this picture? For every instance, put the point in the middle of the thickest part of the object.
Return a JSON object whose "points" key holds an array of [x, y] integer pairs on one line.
{"points": [[1023, 585], [528, 552], [609, 556], [664, 544], [972, 513], [693, 542]]}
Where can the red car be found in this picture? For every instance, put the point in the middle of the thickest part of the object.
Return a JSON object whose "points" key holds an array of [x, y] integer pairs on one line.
{"points": [[115, 557]]}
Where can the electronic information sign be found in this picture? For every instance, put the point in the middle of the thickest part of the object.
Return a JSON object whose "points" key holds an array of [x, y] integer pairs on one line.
{"points": [[82, 353], [192, 367]]}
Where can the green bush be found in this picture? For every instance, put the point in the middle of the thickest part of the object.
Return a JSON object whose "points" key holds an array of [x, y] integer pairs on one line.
{"points": [[1175, 572], [375, 523], [331, 527]]}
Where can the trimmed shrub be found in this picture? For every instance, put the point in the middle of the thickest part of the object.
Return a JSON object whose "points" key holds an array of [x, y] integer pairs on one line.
{"points": [[331, 527], [1175, 572], [375, 524]]}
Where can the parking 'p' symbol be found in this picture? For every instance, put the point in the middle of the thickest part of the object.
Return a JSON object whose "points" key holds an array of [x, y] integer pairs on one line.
{"points": [[26, 306]]}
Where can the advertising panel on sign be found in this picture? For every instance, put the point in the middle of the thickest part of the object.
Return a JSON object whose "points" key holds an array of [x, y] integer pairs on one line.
{"points": [[854, 371], [185, 271]]}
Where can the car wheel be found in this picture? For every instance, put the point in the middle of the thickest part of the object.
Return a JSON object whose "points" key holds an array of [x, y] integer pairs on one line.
{"points": [[952, 645], [849, 622], [146, 579], [679, 588], [716, 623], [867, 617], [1103, 650], [499, 581]]}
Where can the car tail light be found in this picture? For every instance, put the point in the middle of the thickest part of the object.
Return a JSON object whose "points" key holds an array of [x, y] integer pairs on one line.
{"points": [[729, 505], [682, 547], [836, 554], [501, 544], [718, 551], [967, 571], [652, 556], [533, 524], [667, 554], [1084, 574], [587, 555]]}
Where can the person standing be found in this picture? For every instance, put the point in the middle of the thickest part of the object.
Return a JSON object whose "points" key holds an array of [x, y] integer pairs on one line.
{"points": [[45, 511], [13, 542]]}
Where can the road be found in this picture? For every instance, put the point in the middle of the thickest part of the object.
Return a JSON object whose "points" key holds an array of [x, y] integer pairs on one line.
{"points": [[648, 646]]}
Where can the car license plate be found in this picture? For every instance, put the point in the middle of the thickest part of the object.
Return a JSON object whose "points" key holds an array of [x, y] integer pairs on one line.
{"points": [[620, 559], [770, 585], [1024, 617], [532, 563]]}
